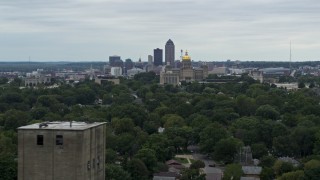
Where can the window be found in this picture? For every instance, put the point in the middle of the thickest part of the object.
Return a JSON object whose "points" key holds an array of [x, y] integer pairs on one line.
{"points": [[59, 140], [88, 166], [39, 139], [98, 162]]}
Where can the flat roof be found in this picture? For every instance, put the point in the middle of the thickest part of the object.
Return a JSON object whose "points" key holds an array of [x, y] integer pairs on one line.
{"points": [[61, 125]]}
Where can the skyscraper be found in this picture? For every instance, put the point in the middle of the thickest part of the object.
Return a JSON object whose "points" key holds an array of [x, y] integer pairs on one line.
{"points": [[158, 57], [169, 53], [115, 61]]}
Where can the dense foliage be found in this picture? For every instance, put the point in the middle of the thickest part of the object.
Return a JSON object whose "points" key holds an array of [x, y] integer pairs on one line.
{"points": [[219, 118]]}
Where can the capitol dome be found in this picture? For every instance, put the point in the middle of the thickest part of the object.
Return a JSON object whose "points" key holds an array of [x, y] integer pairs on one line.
{"points": [[186, 57]]}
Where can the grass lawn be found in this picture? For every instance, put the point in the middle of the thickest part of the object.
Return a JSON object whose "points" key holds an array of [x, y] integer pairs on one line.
{"points": [[181, 160]]}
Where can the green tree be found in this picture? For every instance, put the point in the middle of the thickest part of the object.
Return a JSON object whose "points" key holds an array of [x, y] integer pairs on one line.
{"points": [[115, 172], [232, 171], [211, 135], [137, 170], [295, 175], [15, 118], [245, 106], [281, 167], [8, 167], [312, 164], [267, 161], [148, 157], [312, 174], [192, 174], [267, 174], [226, 149], [259, 150], [111, 155], [267, 112], [124, 125], [197, 164]]}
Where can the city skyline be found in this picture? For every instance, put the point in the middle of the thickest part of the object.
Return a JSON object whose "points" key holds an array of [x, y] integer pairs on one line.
{"points": [[78, 30]]}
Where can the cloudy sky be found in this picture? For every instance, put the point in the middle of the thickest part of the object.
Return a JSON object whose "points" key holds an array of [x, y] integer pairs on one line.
{"points": [[211, 30]]}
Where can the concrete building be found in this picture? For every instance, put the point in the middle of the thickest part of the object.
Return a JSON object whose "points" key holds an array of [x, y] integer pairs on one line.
{"points": [[114, 60], [186, 73], [169, 53], [37, 77], [102, 79], [150, 59], [128, 65], [134, 71], [158, 57], [61, 150], [116, 71]]}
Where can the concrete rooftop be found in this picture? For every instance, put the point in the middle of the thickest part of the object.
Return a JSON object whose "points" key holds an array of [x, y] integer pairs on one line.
{"points": [[61, 125]]}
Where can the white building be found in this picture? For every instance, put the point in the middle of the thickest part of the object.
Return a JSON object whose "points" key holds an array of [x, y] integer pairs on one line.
{"points": [[134, 71], [116, 71]]}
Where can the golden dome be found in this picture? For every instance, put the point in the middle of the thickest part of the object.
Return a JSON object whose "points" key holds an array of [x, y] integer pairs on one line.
{"points": [[186, 57]]}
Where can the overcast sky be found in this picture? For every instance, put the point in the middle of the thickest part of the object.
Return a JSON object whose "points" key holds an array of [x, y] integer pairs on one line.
{"points": [[211, 30]]}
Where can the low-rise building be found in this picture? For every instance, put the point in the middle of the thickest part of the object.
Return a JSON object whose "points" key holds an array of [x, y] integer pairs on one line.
{"points": [[62, 150]]}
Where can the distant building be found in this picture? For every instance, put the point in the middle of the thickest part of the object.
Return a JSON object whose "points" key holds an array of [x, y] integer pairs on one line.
{"points": [[186, 73], [37, 77], [113, 60], [134, 71], [169, 53], [150, 59], [61, 150], [272, 75], [158, 57], [101, 79], [116, 71], [149, 66], [128, 65], [219, 71]]}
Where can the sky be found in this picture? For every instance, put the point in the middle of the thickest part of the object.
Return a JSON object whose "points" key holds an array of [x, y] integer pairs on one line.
{"points": [[211, 30]]}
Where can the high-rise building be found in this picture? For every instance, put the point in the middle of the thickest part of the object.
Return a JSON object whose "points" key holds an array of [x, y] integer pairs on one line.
{"points": [[115, 61], [128, 65], [62, 150], [158, 57], [169, 53], [150, 59]]}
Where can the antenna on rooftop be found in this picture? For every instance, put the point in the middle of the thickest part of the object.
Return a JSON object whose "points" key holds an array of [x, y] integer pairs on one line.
{"points": [[290, 58]]}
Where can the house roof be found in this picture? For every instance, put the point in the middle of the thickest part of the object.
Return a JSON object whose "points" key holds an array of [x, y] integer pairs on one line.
{"points": [[166, 174], [253, 170], [173, 162]]}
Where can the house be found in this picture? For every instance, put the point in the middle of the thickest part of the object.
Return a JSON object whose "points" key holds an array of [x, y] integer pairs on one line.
{"points": [[174, 166], [166, 176], [251, 172]]}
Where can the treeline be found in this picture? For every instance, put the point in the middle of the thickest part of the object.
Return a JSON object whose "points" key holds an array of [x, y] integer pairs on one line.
{"points": [[220, 118]]}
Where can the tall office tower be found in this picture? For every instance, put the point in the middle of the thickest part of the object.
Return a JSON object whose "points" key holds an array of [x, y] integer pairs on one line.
{"points": [[169, 54], [158, 57], [62, 150], [113, 60], [128, 65], [150, 59]]}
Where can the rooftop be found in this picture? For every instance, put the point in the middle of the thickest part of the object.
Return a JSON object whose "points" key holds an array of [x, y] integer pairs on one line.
{"points": [[61, 125]]}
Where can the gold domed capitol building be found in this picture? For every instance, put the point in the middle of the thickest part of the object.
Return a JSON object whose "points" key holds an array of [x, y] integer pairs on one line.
{"points": [[186, 73]]}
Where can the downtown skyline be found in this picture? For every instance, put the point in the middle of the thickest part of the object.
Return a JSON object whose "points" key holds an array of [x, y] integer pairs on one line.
{"points": [[216, 30]]}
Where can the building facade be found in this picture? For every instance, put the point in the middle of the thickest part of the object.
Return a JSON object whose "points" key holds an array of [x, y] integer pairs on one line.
{"points": [[186, 73], [61, 150], [116, 71], [158, 57], [169, 53]]}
